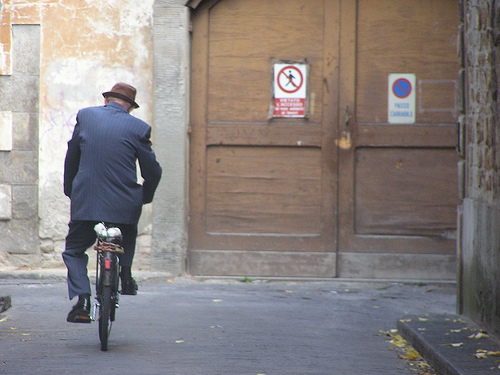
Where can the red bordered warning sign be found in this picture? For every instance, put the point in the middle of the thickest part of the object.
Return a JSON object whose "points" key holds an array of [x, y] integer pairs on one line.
{"points": [[290, 79], [290, 90]]}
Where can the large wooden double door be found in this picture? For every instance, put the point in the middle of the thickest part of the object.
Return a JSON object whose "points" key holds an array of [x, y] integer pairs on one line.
{"points": [[339, 191]]}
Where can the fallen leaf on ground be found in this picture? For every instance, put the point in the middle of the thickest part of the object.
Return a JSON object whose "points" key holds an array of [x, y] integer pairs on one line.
{"points": [[406, 352], [398, 341], [411, 355], [478, 335], [481, 353]]}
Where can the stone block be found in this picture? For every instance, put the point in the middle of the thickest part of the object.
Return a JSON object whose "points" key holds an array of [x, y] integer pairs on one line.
{"points": [[25, 202], [25, 131], [5, 202], [47, 246], [20, 237], [6, 41], [480, 263], [19, 93], [20, 167], [398, 266], [5, 131], [26, 49]]}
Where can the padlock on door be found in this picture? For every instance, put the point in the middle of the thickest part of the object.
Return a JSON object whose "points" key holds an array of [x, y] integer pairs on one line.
{"points": [[345, 142]]}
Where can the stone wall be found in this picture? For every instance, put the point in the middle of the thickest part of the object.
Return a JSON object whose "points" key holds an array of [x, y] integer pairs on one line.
{"points": [[171, 103], [19, 150], [479, 216], [57, 57]]}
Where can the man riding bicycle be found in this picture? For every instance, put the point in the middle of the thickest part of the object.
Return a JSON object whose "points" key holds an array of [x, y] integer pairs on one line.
{"points": [[100, 178]]}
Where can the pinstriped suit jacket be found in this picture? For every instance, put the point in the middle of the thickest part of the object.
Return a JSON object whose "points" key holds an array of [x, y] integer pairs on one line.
{"points": [[100, 174]]}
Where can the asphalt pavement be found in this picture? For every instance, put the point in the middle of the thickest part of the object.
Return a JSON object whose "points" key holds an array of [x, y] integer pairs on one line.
{"points": [[195, 326]]}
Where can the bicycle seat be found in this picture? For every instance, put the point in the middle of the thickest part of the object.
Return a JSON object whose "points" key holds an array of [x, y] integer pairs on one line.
{"points": [[112, 234]]}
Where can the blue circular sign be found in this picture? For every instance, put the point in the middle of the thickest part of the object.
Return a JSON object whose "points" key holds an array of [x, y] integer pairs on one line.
{"points": [[401, 88]]}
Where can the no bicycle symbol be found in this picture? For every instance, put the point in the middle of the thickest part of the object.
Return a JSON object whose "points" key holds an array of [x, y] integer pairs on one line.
{"points": [[290, 79]]}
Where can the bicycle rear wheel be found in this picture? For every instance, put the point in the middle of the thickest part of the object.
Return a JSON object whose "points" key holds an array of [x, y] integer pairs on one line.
{"points": [[105, 314]]}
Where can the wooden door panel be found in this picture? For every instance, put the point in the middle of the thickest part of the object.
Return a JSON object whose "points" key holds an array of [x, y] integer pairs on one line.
{"points": [[398, 182], [262, 135], [419, 36], [262, 191], [276, 197], [405, 191], [236, 92], [249, 29], [245, 38]]}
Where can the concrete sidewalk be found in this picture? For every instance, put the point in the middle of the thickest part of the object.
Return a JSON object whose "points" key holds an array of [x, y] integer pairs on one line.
{"points": [[335, 322], [452, 344], [59, 274]]}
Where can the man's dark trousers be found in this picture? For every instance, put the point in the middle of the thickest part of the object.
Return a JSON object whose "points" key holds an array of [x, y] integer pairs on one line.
{"points": [[81, 236]]}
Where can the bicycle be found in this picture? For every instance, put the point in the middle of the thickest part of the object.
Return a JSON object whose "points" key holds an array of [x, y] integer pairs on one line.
{"points": [[107, 279]]}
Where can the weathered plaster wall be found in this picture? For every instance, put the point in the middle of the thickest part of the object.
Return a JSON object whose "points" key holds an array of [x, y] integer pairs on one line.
{"points": [[95, 44], [479, 245], [86, 46]]}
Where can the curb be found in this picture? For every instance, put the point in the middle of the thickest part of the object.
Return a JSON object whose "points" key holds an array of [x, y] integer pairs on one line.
{"points": [[34, 275], [451, 343], [60, 275]]}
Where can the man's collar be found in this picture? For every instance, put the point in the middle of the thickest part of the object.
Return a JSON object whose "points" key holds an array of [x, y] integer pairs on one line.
{"points": [[117, 106]]}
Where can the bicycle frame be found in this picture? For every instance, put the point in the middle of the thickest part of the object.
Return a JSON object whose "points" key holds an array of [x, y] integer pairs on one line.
{"points": [[107, 280], [107, 273]]}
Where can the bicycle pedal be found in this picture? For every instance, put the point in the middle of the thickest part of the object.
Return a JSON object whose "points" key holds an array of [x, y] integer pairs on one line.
{"points": [[83, 319], [94, 311]]}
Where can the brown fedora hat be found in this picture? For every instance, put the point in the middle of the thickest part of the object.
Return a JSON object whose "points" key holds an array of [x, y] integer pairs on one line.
{"points": [[123, 91]]}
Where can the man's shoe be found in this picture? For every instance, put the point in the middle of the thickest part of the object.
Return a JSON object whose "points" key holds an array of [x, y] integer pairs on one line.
{"points": [[81, 311], [129, 286]]}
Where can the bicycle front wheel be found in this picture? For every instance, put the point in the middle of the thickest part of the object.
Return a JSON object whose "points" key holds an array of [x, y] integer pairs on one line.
{"points": [[105, 316]]}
